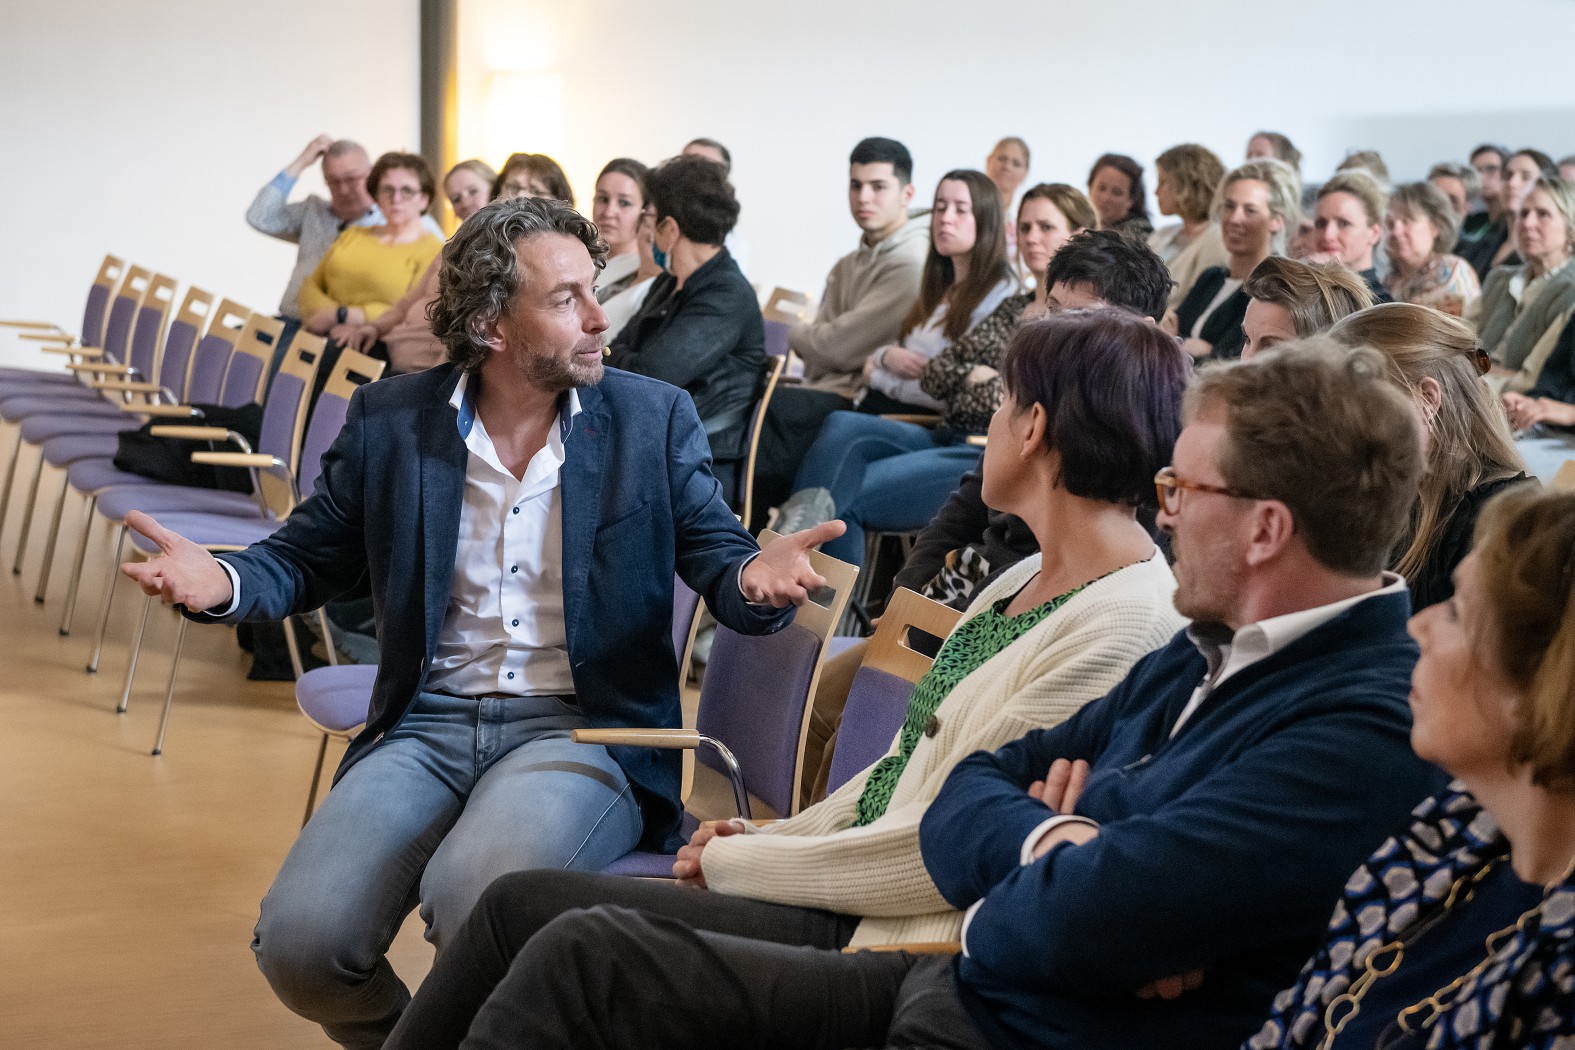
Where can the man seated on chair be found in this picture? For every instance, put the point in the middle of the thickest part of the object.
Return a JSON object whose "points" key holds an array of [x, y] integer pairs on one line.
{"points": [[1151, 871], [520, 515], [868, 293], [1058, 631], [312, 224]]}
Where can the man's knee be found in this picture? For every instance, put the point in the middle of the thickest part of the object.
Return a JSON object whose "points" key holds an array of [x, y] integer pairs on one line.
{"points": [[305, 956]]}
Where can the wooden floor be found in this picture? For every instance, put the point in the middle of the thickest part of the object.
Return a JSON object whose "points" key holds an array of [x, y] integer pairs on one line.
{"points": [[130, 883]]}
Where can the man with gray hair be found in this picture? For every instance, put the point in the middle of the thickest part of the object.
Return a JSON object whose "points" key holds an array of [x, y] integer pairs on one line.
{"points": [[520, 513], [314, 223]]}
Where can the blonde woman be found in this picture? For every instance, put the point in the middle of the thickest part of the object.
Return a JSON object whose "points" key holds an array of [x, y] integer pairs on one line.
{"points": [[1423, 227], [1460, 932], [1525, 306], [1348, 224], [1187, 178], [468, 186], [1471, 456]]}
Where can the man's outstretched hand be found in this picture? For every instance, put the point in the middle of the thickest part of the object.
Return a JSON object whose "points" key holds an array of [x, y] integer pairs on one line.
{"points": [[182, 572], [781, 574]]}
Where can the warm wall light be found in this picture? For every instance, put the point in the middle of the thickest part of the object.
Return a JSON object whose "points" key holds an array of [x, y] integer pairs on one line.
{"points": [[524, 113]]}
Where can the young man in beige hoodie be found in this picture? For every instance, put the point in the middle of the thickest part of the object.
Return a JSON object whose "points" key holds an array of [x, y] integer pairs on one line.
{"points": [[867, 294]]}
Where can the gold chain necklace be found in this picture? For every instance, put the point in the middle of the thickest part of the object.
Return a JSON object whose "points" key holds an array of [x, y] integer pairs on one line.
{"points": [[1386, 960]]}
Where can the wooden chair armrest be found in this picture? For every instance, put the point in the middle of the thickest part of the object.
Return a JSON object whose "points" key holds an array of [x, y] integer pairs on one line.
{"points": [[167, 411], [47, 337], [684, 739], [923, 419], [7, 323], [232, 459], [915, 948], [64, 351], [129, 386], [190, 433], [100, 367]]}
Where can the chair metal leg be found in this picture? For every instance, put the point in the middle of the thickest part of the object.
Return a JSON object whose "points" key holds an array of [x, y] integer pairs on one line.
{"points": [[169, 691], [317, 778], [109, 600], [27, 516], [76, 569], [136, 651], [290, 644], [328, 637], [49, 547], [10, 479]]}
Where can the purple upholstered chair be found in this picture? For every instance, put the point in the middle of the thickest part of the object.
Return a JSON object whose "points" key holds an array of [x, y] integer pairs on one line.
{"points": [[883, 684], [335, 699], [754, 714], [219, 532]]}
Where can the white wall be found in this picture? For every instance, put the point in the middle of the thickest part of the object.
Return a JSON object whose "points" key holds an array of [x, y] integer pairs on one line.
{"points": [[147, 134], [145, 130]]}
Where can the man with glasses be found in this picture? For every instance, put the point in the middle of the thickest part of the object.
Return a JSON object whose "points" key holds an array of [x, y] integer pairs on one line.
{"points": [[1152, 871], [313, 223]]}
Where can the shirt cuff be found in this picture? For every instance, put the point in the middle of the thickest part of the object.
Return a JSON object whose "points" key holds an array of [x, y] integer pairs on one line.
{"points": [[284, 182], [967, 921], [235, 592], [1026, 855], [741, 568]]}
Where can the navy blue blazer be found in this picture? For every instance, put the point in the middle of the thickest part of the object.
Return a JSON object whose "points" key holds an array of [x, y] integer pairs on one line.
{"points": [[639, 502]]}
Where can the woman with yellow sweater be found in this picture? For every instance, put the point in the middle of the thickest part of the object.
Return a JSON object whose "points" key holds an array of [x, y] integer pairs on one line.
{"points": [[369, 268], [1053, 633]]}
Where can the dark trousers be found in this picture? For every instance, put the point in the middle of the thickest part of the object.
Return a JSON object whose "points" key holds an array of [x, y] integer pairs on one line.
{"points": [[611, 977], [505, 924], [793, 421]]}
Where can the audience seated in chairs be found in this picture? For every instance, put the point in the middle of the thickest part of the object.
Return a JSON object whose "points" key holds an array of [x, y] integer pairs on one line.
{"points": [[1524, 306], [867, 295], [1187, 178], [1544, 416], [1256, 206], [1193, 826], [967, 545], [1462, 187], [1423, 229], [1349, 221], [1007, 167], [616, 209], [1470, 456], [965, 278], [369, 268], [1288, 299], [1457, 931], [717, 153], [532, 175], [1058, 629], [1271, 145], [1115, 185], [1485, 232], [894, 474], [700, 327], [468, 187]]}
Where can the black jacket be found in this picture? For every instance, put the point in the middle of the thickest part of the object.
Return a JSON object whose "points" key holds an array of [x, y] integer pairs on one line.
{"points": [[1222, 330], [707, 338]]}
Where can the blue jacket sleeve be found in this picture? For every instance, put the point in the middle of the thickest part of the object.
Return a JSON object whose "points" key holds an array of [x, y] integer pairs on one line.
{"points": [[972, 835], [710, 546], [319, 552], [1251, 855]]}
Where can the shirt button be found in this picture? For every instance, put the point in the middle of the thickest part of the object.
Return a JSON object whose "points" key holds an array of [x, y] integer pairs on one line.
{"points": [[511, 676], [514, 568], [514, 623], [516, 510]]}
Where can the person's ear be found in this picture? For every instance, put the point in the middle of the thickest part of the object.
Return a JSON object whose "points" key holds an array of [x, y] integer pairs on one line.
{"points": [[1431, 395], [907, 194], [488, 331], [1034, 437], [1272, 530]]}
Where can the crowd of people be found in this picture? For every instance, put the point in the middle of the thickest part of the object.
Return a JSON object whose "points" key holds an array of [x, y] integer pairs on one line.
{"points": [[1257, 729]]}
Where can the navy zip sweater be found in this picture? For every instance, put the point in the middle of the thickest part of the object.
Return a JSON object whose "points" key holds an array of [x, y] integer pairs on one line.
{"points": [[1222, 850]]}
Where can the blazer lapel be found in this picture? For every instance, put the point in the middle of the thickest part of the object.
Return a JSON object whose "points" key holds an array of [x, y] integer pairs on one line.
{"points": [[443, 461], [585, 456]]}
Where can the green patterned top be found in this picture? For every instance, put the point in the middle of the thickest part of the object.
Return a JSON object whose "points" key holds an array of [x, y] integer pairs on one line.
{"points": [[969, 646]]}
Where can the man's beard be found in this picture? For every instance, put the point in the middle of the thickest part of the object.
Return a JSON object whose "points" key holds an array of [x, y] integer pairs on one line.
{"points": [[558, 375]]}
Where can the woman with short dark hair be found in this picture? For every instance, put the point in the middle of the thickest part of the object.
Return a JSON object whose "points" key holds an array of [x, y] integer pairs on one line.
{"points": [[699, 327], [532, 175], [368, 268], [1460, 931]]}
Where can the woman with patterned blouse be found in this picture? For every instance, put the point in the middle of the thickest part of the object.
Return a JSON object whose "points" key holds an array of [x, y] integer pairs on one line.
{"points": [[1056, 631], [1460, 932], [896, 473], [1422, 230]]}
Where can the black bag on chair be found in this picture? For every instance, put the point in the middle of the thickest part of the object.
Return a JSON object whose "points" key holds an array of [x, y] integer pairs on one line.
{"points": [[168, 459]]}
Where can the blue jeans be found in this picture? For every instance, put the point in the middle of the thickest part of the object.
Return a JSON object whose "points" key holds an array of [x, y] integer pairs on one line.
{"points": [[459, 792], [883, 475]]}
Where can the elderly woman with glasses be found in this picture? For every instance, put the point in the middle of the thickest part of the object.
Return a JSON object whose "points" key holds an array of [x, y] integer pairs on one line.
{"points": [[369, 268], [1460, 931]]}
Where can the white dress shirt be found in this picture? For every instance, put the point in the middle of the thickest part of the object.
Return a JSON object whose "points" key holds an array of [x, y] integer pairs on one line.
{"points": [[1248, 645], [503, 629]]}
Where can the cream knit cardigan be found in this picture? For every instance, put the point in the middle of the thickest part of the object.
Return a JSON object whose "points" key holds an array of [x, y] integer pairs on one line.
{"points": [[1077, 654]]}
